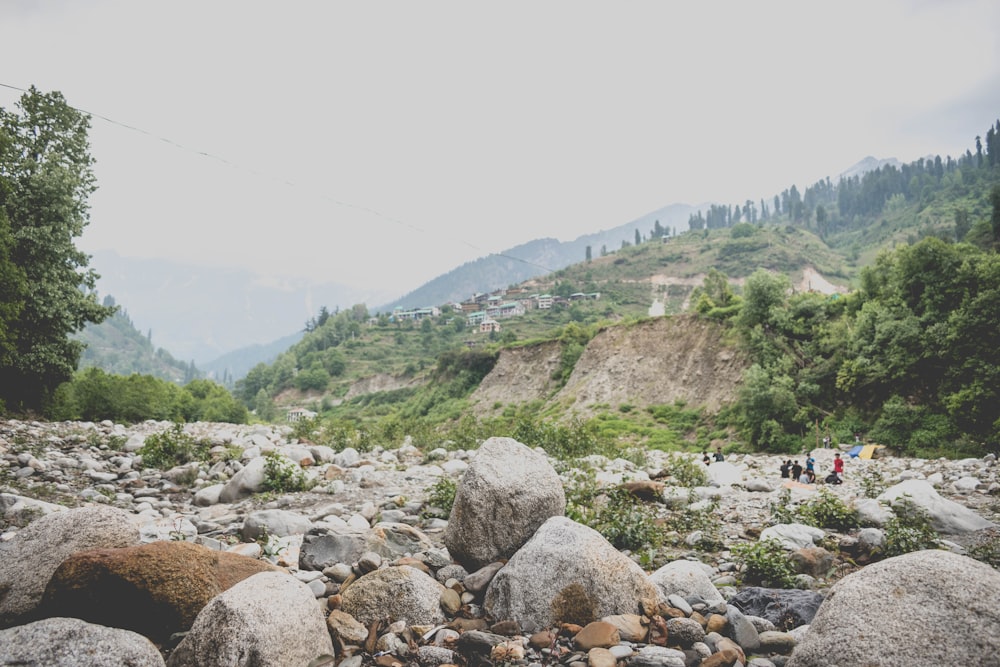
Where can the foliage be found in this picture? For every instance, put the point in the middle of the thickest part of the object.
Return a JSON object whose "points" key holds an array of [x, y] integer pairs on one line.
{"points": [[872, 483], [686, 471], [441, 494], [282, 475], [94, 395], [826, 510], [781, 508], [617, 515], [172, 447], [764, 563], [908, 530], [987, 548], [45, 181], [571, 440]]}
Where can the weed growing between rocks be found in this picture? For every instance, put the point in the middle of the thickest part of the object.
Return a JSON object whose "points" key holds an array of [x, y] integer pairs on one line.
{"points": [[987, 548], [700, 523], [622, 519], [828, 511], [764, 563], [171, 448], [781, 508], [686, 471], [441, 497], [908, 530], [873, 483], [282, 475]]}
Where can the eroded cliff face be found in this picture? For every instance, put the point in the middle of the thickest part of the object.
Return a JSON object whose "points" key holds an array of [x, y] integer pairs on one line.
{"points": [[521, 375], [660, 361]]}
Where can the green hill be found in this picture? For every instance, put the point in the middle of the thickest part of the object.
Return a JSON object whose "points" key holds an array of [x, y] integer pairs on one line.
{"points": [[117, 347]]}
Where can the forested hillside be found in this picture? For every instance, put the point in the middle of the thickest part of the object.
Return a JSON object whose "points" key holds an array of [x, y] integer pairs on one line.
{"points": [[904, 352], [116, 346]]}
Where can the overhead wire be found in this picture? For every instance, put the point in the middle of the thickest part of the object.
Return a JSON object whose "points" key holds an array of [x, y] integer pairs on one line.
{"points": [[285, 181]]}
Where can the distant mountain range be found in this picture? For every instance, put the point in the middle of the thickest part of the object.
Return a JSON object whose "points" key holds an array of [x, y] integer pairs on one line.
{"points": [[536, 258]]}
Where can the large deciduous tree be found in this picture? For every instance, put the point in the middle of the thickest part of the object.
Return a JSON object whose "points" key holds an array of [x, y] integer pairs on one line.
{"points": [[45, 181]]}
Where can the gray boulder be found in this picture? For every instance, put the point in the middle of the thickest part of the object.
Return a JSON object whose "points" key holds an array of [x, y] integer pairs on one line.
{"points": [[70, 642], [322, 551], [392, 540], [268, 619], [923, 608], [685, 578], [793, 535], [28, 561], [508, 491], [946, 516], [401, 593], [280, 523], [248, 481], [567, 572], [786, 609]]}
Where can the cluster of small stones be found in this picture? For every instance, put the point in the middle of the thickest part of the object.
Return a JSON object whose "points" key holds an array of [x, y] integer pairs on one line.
{"points": [[366, 513]]}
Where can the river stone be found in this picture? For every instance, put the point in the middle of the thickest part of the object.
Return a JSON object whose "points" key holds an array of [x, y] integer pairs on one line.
{"points": [[685, 578], [154, 589], [392, 540], [319, 552], [28, 560], [786, 609], [397, 593], [508, 491], [279, 523], [246, 482], [60, 642], [922, 608], [267, 619], [793, 535], [946, 516], [567, 572]]}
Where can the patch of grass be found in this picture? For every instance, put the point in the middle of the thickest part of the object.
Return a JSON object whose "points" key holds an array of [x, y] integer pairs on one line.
{"points": [[171, 448], [764, 563], [908, 530], [283, 475]]}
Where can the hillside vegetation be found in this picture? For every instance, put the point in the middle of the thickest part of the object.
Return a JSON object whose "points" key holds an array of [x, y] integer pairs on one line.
{"points": [[908, 358]]}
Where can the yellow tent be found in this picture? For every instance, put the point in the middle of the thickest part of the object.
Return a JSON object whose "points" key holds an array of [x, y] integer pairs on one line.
{"points": [[868, 451]]}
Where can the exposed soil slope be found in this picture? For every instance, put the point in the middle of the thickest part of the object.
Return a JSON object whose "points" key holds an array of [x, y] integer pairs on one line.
{"points": [[521, 375]]}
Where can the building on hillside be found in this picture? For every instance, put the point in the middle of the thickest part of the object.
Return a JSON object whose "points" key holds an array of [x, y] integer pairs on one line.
{"points": [[505, 310], [298, 414], [488, 325], [544, 301], [399, 313], [476, 318]]}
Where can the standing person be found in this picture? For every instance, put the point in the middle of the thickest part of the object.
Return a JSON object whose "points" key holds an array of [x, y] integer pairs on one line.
{"points": [[705, 459], [811, 464], [796, 471], [838, 467], [718, 454], [785, 468]]}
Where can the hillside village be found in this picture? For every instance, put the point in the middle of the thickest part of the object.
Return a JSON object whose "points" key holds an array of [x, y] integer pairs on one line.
{"points": [[483, 310]]}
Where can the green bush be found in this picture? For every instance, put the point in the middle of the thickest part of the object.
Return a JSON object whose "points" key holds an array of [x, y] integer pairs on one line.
{"points": [[282, 475], [872, 483], [908, 530], [987, 548], [442, 494], [686, 471], [171, 448], [828, 511], [764, 563], [622, 519]]}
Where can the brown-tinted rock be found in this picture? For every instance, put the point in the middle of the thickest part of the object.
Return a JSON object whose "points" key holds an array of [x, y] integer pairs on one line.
{"points": [[717, 623], [598, 633], [542, 639], [630, 626], [647, 490], [346, 628], [506, 628], [154, 589], [451, 601], [727, 657], [600, 657], [726, 643], [814, 561]]}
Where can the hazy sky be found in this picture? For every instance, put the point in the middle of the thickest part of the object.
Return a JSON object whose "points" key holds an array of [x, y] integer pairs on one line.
{"points": [[384, 143]]}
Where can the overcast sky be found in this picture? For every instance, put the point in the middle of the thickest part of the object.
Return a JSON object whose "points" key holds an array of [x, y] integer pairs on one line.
{"points": [[385, 143]]}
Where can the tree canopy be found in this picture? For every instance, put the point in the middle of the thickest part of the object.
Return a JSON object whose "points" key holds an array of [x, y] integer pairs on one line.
{"points": [[46, 179]]}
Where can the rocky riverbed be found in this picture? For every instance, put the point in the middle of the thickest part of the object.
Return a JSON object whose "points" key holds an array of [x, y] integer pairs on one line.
{"points": [[105, 561]]}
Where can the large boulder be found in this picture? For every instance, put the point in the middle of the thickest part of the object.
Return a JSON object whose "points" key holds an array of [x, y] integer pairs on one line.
{"points": [[154, 589], [787, 609], [66, 642], [923, 608], [508, 491], [280, 523], [401, 593], [793, 536], [321, 551], [392, 540], [946, 516], [567, 572], [685, 578], [29, 559], [248, 481], [268, 619]]}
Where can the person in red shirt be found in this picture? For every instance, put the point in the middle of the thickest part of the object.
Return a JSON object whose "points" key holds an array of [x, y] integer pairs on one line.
{"points": [[838, 466]]}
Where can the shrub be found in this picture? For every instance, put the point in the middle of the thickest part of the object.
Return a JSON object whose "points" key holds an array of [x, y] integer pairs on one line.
{"points": [[626, 522], [987, 548], [909, 530], [171, 448], [283, 475], [781, 509], [442, 494], [686, 471], [872, 483], [764, 563], [828, 511]]}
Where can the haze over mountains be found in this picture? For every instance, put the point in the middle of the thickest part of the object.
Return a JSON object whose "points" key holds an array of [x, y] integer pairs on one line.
{"points": [[227, 320]]}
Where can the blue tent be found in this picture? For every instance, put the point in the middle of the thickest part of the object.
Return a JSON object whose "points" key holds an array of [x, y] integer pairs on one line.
{"points": [[855, 450]]}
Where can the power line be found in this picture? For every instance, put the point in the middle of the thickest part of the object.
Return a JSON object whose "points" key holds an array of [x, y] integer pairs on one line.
{"points": [[284, 181]]}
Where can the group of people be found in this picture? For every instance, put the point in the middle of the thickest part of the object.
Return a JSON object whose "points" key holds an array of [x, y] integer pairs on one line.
{"points": [[793, 470], [718, 456]]}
